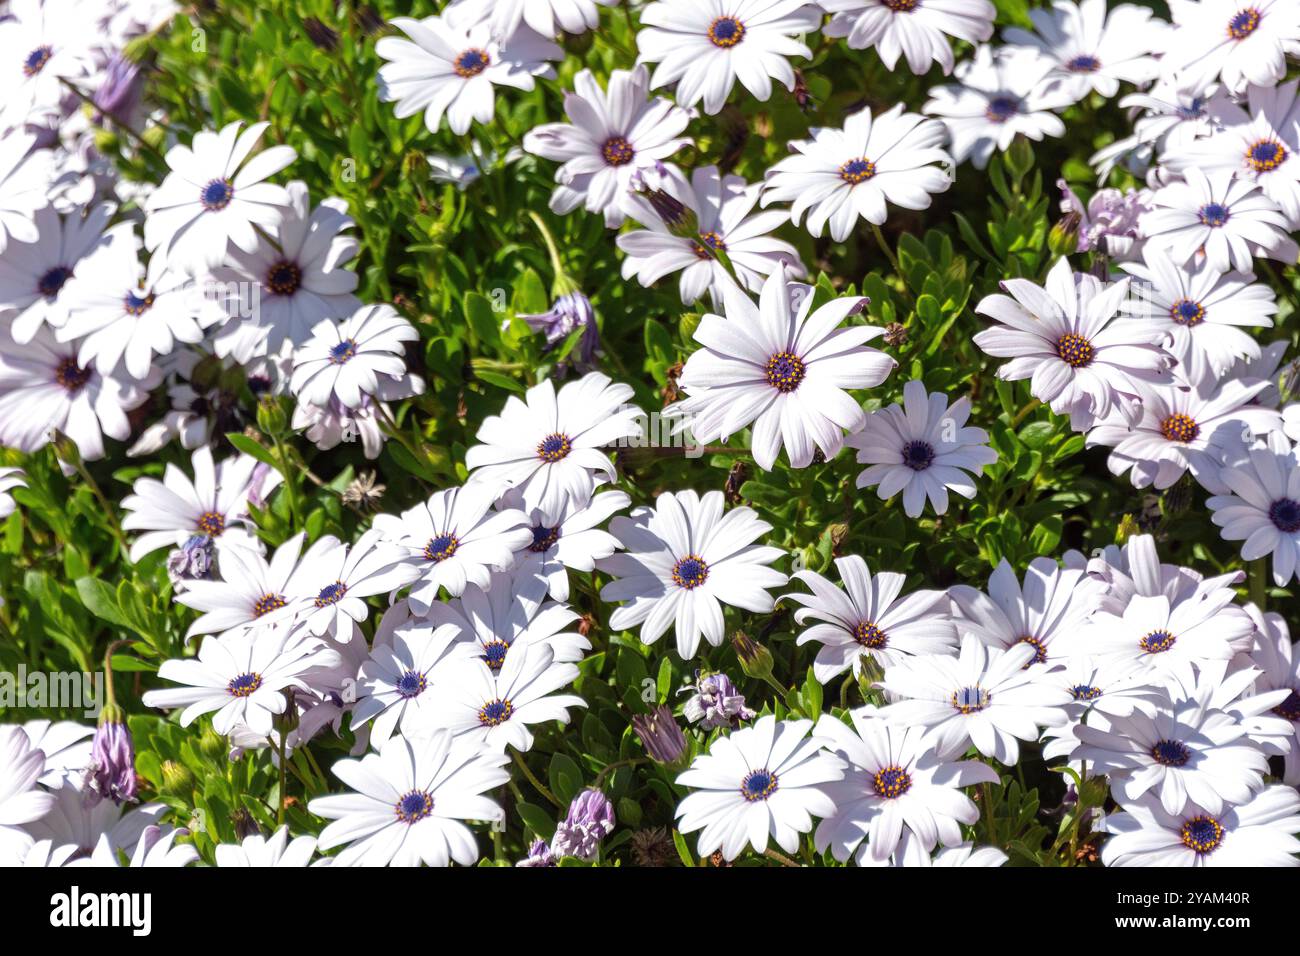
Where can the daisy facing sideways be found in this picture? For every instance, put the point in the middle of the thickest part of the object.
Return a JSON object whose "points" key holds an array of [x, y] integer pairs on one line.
{"points": [[765, 781], [409, 802], [1063, 337], [704, 47], [868, 619], [1262, 507], [915, 29], [783, 368], [922, 448], [894, 783], [684, 559], [841, 175]]}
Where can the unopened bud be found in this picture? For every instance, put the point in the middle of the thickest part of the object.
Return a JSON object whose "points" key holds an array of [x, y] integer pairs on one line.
{"points": [[755, 659]]}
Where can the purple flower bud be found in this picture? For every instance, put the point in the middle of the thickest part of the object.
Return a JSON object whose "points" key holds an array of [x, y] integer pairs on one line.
{"points": [[590, 820], [192, 560], [570, 311], [111, 772], [716, 703], [658, 730], [118, 95], [539, 854]]}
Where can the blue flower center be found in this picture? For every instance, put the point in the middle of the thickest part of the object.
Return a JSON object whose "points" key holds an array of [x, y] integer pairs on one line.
{"points": [[1203, 834], [1083, 63], [52, 281], [245, 685], [785, 371], [36, 60], [970, 700], [267, 603], [1194, 110], [1085, 692], [544, 538], [1002, 108], [494, 653], [344, 352], [857, 170], [1285, 514], [284, 278], [1186, 312], [708, 244], [918, 455], [1266, 155], [758, 785], [495, 712], [1244, 23], [441, 548], [690, 572], [1213, 214], [414, 806], [71, 376], [1040, 651], [554, 448], [892, 782], [216, 195], [331, 594], [472, 62], [1170, 753], [137, 305], [411, 684], [1157, 642], [726, 32]]}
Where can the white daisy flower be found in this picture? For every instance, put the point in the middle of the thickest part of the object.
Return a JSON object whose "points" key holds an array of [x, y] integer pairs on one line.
{"points": [[248, 592], [82, 824], [684, 560], [922, 448], [125, 314], [26, 174], [1185, 429], [395, 687], [213, 504], [66, 745], [1221, 221], [1279, 669], [1181, 753], [1203, 312], [1175, 113], [241, 677], [344, 360], [452, 68], [493, 709], [1164, 641], [768, 780], [722, 206], [985, 697], [868, 619], [1262, 508], [34, 274], [572, 540], [511, 612], [894, 783], [1260, 144], [547, 17], [216, 194], [156, 847], [840, 175], [453, 539], [10, 478], [782, 367], [42, 44], [1098, 691], [549, 446], [705, 47], [611, 138], [1240, 41], [1051, 605], [256, 850], [21, 800], [43, 387], [915, 29], [998, 95], [295, 280], [337, 576], [1063, 338], [1260, 832], [1094, 49], [409, 803]]}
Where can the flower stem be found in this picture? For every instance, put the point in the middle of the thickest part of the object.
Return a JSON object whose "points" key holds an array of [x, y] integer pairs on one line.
{"points": [[1258, 583], [537, 784]]}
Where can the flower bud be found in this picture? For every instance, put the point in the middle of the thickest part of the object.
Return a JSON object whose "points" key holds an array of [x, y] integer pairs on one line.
{"points": [[662, 737], [1063, 239], [590, 820], [755, 659], [177, 781], [111, 772]]}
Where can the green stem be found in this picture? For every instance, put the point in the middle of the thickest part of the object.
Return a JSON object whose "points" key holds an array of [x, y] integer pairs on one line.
{"points": [[537, 784], [893, 259], [284, 781], [290, 482], [1258, 583], [617, 765]]}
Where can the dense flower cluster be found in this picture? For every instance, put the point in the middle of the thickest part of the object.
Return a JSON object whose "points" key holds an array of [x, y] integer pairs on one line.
{"points": [[525, 576]]}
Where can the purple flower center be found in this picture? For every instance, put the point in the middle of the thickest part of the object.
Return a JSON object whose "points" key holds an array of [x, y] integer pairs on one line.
{"points": [[970, 700], [617, 151], [869, 634], [1213, 214], [1074, 350], [707, 244], [758, 785], [268, 603], [472, 62], [544, 538], [344, 352], [245, 685], [891, 782], [918, 455], [441, 548], [411, 684], [284, 277], [726, 32], [1244, 23], [211, 523], [857, 170], [36, 60], [137, 305], [52, 281], [216, 195], [1266, 155], [1002, 108], [690, 572], [1285, 514], [495, 712], [1203, 834], [71, 376], [1179, 427], [331, 594], [1083, 63], [494, 654], [1289, 708], [1186, 312], [1170, 753], [1157, 642], [554, 448], [414, 806], [1085, 692], [902, 6], [785, 371], [1040, 651]]}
